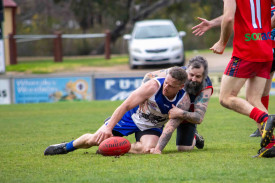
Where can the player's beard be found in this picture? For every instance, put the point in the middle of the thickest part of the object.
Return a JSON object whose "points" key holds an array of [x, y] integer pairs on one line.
{"points": [[193, 87]]}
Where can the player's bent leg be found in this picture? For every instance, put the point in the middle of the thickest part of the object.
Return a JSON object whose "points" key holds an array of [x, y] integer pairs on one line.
{"points": [[268, 85], [146, 143], [136, 148], [186, 137], [230, 87], [183, 148], [85, 141], [145, 140], [254, 92]]}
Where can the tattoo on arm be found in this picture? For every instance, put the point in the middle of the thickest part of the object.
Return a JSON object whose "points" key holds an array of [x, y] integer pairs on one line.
{"points": [[167, 133], [155, 74], [145, 79], [200, 106], [183, 106]]}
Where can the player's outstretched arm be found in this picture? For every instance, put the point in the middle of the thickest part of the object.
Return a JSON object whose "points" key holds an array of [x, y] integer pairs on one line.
{"points": [[205, 25], [200, 107], [166, 135], [137, 97]]}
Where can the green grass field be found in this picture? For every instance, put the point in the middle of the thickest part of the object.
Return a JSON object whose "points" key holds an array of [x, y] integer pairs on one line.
{"points": [[26, 130]]}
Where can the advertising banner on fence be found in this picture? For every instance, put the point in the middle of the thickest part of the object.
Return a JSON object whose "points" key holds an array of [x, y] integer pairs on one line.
{"points": [[5, 93], [36, 90], [115, 88]]}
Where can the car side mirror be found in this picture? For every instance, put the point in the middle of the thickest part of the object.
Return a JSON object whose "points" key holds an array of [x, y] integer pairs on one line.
{"points": [[127, 37], [182, 34]]}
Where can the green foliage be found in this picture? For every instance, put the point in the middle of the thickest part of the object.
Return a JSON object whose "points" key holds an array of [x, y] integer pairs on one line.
{"points": [[27, 129], [82, 16], [185, 14]]}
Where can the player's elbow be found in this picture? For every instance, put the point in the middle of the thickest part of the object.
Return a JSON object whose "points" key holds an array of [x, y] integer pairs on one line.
{"points": [[126, 107], [198, 118], [228, 19], [199, 121]]}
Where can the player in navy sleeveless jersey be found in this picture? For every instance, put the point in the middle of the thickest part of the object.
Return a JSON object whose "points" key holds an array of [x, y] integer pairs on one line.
{"points": [[145, 110]]}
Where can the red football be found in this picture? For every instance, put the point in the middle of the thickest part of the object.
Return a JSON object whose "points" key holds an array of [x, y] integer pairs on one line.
{"points": [[114, 146]]}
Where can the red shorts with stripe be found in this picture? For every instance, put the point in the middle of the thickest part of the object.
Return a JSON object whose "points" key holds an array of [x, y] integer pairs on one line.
{"points": [[244, 69]]}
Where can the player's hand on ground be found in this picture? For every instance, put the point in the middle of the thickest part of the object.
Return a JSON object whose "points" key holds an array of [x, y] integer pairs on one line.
{"points": [[155, 151], [103, 134], [201, 28], [175, 112], [218, 48]]}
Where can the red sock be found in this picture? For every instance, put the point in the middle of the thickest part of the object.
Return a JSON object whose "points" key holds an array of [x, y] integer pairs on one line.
{"points": [[258, 115], [265, 101]]}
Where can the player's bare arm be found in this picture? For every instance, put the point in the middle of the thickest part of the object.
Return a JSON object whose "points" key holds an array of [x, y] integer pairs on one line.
{"points": [[159, 73], [166, 135], [205, 25], [200, 107], [137, 97], [226, 26], [184, 104]]}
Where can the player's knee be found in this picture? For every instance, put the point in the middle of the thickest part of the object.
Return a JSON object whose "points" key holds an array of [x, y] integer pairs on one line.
{"points": [[222, 102], [185, 148], [225, 102]]}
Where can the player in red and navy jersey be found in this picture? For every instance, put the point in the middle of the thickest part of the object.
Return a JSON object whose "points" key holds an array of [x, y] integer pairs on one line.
{"points": [[251, 60], [199, 88], [205, 25]]}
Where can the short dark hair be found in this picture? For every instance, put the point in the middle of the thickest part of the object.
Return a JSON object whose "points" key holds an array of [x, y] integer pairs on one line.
{"points": [[178, 73], [198, 62]]}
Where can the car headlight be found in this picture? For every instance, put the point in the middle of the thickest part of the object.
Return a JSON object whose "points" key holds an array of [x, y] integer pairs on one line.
{"points": [[136, 50], [176, 48]]}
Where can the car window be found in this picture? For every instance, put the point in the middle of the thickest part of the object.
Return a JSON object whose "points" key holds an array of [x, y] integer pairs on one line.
{"points": [[155, 31]]}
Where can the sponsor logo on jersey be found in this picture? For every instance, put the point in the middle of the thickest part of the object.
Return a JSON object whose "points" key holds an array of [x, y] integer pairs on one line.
{"points": [[258, 36]]}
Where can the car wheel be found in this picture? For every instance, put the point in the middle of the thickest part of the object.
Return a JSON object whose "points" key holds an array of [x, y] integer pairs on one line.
{"points": [[133, 66]]}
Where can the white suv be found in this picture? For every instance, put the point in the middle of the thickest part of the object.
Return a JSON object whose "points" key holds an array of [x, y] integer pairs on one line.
{"points": [[154, 42]]}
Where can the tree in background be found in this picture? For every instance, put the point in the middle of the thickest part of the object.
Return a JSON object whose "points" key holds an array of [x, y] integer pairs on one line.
{"points": [[95, 16]]}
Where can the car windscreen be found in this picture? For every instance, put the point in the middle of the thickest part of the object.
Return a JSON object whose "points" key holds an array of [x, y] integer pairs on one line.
{"points": [[155, 31]]}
